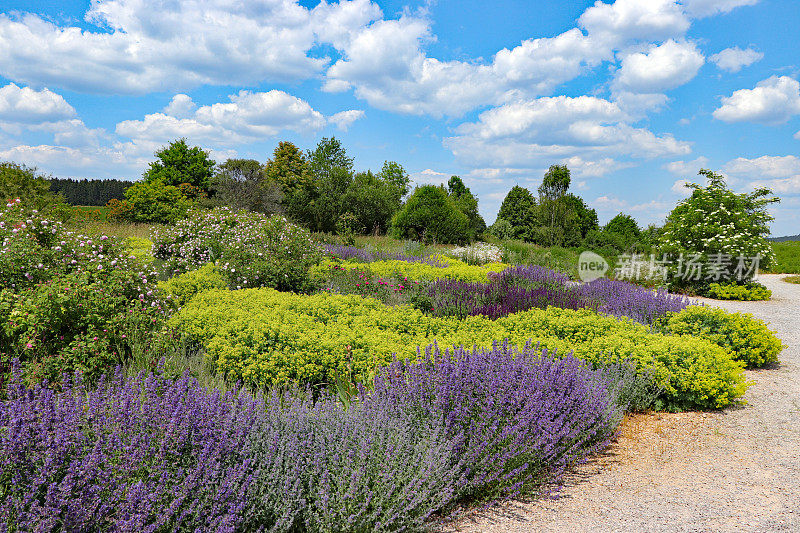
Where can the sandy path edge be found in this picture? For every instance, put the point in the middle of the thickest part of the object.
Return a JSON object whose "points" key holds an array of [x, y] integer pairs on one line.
{"points": [[734, 470]]}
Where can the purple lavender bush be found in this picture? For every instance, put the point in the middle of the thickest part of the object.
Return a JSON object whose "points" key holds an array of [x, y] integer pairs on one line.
{"points": [[619, 298], [354, 253], [520, 417], [513, 290], [155, 454]]}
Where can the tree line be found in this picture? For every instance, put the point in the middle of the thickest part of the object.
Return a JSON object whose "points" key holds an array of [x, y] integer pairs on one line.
{"points": [[89, 192]]}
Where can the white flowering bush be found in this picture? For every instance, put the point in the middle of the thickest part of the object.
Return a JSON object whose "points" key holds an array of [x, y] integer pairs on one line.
{"points": [[478, 253], [69, 299], [249, 249], [716, 235]]}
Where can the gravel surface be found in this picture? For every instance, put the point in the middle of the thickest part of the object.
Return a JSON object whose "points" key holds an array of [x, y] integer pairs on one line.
{"points": [[735, 470]]}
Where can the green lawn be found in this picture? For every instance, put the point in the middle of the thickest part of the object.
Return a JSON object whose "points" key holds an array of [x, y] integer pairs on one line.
{"points": [[787, 257]]}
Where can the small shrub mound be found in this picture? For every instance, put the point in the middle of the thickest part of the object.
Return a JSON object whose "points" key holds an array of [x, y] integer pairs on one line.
{"points": [[737, 291], [183, 287], [265, 337], [746, 338], [161, 455], [250, 249], [445, 268]]}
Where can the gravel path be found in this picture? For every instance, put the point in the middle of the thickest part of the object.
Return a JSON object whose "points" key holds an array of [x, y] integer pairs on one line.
{"points": [[735, 470]]}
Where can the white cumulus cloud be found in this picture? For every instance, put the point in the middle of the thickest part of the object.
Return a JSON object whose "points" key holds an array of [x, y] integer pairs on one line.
{"points": [[660, 67], [247, 117], [28, 106], [772, 101], [734, 59], [704, 8], [779, 173], [687, 168]]}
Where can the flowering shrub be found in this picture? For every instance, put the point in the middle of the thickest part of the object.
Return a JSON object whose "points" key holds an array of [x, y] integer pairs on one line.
{"points": [[734, 291], [156, 454], [746, 338], [250, 249], [478, 253], [67, 297], [716, 225], [265, 337], [494, 300], [390, 291]]}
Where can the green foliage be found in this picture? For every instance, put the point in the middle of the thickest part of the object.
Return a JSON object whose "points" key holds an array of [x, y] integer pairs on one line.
{"points": [[715, 221], [518, 208], [431, 215], [467, 203], [184, 287], [456, 269], [792, 279], [26, 184], [67, 299], [178, 163], [71, 323], [394, 174], [579, 219], [786, 257], [264, 338], [747, 339], [739, 291], [502, 229], [151, 201], [243, 184], [625, 226], [140, 248], [290, 169]]}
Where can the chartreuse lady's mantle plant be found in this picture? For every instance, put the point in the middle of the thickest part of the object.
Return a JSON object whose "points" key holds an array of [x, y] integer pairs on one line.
{"points": [[265, 337], [250, 249]]}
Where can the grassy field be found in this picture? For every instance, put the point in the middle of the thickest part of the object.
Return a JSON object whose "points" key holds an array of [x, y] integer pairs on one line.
{"points": [[787, 257], [94, 219]]}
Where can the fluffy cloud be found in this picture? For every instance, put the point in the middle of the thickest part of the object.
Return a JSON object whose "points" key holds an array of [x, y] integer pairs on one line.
{"points": [[246, 118], [704, 8], [779, 173], [628, 20], [679, 187], [660, 68], [686, 168], [734, 59], [531, 133], [772, 101], [179, 45], [386, 65], [27, 106]]}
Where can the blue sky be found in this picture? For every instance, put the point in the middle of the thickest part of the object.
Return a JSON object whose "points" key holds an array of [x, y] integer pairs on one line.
{"points": [[633, 95]]}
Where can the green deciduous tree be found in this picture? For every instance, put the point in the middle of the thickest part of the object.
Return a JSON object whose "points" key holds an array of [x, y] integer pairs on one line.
{"points": [[25, 183], [243, 184], [518, 208], [468, 204], [178, 163], [431, 215], [625, 226], [717, 223], [290, 169]]}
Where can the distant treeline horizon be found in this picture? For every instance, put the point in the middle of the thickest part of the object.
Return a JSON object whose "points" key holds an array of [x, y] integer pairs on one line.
{"points": [[91, 192]]}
